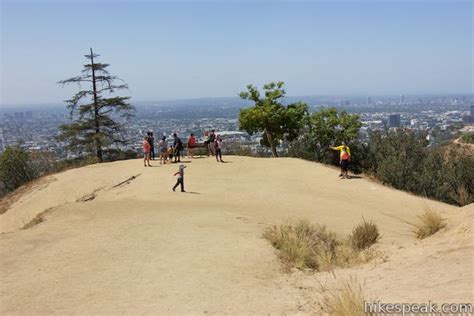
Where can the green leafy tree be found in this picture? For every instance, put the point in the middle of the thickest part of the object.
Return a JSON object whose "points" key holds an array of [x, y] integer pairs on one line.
{"points": [[269, 116], [323, 129], [400, 155], [95, 111]]}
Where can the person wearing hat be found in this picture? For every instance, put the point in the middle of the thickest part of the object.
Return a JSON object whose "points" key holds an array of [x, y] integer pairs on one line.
{"points": [[344, 159], [180, 178]]}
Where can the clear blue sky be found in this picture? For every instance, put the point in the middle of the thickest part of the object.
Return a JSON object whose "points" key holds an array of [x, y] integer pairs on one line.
{"points": [[187, 49]]}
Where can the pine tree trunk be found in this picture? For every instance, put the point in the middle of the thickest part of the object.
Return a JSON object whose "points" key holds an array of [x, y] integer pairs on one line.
{"points": [[272, 143], [96, 111]]}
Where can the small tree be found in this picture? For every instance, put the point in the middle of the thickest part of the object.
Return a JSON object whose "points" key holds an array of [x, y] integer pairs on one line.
{"points": [[268, 115], [95, 124], [323, 129]]}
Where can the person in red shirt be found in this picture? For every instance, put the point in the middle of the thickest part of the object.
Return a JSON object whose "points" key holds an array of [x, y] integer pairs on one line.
{"points": [[191, 145], [146, 152]]}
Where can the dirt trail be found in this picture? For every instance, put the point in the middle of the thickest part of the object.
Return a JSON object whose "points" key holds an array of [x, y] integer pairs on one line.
{"points": [[138, 247]]}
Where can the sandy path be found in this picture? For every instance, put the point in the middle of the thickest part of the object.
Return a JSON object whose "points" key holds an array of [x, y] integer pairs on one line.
{"points": [[141, 248]]}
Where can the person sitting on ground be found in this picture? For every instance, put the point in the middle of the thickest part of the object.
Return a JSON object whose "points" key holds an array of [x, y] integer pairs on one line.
{"points": [[191, 145], [177, 146], [217, 148], [146, 151], [344, 159], [180, 178], [163, 146]]}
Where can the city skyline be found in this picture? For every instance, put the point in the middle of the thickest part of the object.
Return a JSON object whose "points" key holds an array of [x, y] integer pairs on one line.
{"points": [[193, 50]]}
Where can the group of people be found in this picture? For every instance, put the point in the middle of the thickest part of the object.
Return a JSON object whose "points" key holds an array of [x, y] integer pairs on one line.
{"points": [[212, 143], [167, 153]]}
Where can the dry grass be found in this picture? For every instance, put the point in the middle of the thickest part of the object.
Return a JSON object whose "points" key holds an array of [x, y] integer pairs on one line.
{"points": [[429, 223], [348, 300], [462, 196], [37, 219], [364, 235], [304, 246]]}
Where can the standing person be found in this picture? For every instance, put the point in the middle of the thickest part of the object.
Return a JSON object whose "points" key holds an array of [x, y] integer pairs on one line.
{"points": [[344, 159], [180, 178], [191, 145], [146, 151], [163, 147], [217, 147], [177, 146], [151, 141], [206, 141], [212, 139]]}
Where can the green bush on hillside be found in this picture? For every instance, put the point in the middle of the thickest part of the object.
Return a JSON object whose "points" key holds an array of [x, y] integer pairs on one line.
{"points": [[15, 169]]}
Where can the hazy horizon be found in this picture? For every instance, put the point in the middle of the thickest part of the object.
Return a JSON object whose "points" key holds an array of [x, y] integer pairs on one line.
{"points": [[170, 51]]}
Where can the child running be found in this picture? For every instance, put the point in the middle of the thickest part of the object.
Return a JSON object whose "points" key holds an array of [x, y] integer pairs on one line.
{"points": [[180, 178], [146, 152], [344, 159]]}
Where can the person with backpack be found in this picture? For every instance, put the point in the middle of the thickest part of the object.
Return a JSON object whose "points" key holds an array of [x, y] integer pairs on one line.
{"points": [[177, 146], [344, 159]]}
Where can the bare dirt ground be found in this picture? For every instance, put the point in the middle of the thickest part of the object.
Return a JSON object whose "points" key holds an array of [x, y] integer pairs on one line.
{"points": [[117, 240]]}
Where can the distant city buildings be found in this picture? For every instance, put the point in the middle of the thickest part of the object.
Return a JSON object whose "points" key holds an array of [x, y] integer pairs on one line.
{"points": [[469, 119], [38, 129], [394, 120]]}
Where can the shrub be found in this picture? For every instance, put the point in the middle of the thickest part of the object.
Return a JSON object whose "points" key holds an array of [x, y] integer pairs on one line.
{"points": [[300, 243], [364, 235], [467, 138], [306, 246], [345, 301], [429, 223], [15, 169]]}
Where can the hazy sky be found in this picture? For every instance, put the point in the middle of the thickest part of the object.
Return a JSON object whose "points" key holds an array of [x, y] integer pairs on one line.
{"points": [[187, 49]]}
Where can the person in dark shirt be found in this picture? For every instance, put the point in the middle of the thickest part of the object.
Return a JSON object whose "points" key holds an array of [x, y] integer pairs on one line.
{"points": [[151, 141], [212, 139], [177, 146]]}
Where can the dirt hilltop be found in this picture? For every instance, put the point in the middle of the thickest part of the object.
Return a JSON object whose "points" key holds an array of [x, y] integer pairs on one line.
{"points": [[114, 239]]}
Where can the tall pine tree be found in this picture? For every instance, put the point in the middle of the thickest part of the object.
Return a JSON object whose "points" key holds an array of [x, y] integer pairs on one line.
{"points": [[96, 110]]}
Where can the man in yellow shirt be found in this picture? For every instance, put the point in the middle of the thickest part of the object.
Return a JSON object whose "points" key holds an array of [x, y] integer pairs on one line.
{"points": [[344, 159]]}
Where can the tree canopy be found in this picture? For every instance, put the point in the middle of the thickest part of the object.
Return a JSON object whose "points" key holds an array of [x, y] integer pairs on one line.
{"points": [[95, 111], [268, 115]]}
